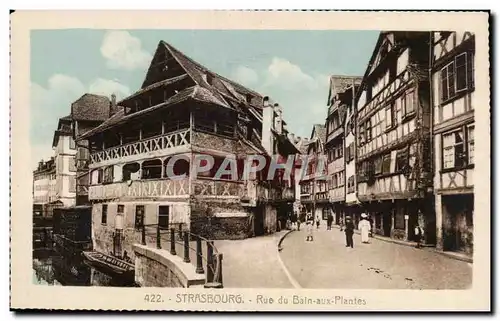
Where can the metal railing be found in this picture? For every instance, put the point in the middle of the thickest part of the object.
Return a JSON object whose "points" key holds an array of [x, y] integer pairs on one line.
{"points": [[181, 242]]}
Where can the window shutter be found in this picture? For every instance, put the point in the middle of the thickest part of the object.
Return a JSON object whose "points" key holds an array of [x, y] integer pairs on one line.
{"points": [[470, 70], [461, 72], [444, 85]]}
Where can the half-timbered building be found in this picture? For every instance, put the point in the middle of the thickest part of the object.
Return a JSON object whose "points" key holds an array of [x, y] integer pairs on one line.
{"points": [[393, 121], [314, 191], [184, 110], [340, 99], [453, 106]]}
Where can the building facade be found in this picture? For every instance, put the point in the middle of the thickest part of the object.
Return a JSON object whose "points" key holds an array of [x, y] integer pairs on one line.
{"points": [[87, 112], [183, 116], [314, 191], [44, 188], [453, 106], [65, 151], [393, 123], [340, 99]]}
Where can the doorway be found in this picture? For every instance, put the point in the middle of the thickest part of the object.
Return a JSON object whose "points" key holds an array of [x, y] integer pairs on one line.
{"points": [[258, 222], [386, 223], [458, 223]]}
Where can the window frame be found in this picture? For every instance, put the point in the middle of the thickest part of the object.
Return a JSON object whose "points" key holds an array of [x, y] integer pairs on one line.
{"points": [[470, 142], [465, 149], [390, 108], [104, 214], [451, 68], [163, 215]]}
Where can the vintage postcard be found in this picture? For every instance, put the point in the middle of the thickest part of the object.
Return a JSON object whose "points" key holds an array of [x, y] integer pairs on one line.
{"points": [[250, 161]]}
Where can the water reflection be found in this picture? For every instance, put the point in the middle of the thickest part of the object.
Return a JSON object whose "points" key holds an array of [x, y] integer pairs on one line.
{"points": [[51, 267]]}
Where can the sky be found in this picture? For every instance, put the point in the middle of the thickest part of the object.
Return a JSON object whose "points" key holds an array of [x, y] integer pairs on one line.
{"points": [[291, 67]]}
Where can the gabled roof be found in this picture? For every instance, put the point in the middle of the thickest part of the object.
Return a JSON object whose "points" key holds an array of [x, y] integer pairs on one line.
{"points": [[62, 129], [91, 107], [339, 84], [320, 131], [195, 92]]}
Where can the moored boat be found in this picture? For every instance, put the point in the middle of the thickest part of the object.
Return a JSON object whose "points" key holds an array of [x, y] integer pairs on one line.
{"points": [[108, 263]]}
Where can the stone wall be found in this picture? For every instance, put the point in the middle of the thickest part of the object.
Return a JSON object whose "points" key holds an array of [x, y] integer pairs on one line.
{"points": [[219, 219], [151, 273], [102, 234], [159, 268]]}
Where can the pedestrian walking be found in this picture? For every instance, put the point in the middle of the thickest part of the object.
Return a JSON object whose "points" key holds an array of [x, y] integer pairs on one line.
{"points": [[309, 227], [418, 235], [317, 222], [349, 231], [365, 227], [329, 221]]}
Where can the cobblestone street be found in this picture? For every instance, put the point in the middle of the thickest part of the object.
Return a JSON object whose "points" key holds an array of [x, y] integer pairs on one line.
{"points": [[327, 263]]}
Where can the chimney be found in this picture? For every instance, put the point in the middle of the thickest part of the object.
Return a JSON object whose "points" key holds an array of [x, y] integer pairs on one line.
{"points": [[278, 121], [112, 106], [267, 125]]}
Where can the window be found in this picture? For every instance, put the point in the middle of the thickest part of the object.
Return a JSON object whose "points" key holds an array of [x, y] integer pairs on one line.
{"points": [[470, 70], [470, 144], [401, 159], [378, 165], [447, 82], [139, 216], [408, 103], [99, 175], [461, 72], [163, 216], [72, 143], [453, 150], [361, 135], [151, 169], [350, 184], [120, 210], [457, 76], [104, 214], [368, 130], [108, 174], [389, 116], [386, 164]]}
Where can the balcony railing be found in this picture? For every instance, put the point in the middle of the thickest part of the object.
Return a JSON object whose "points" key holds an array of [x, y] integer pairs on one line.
{"points": [[157, 188], [171, 140], [192, 248]]}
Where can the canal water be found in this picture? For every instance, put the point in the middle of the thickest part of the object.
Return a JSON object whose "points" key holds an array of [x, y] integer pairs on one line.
{"points": [[53, 267]]}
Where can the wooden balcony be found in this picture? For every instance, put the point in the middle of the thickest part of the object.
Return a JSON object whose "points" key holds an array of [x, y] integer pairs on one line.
{"points": [[210, 188], [141, 189], [145, 147], [321, 196]]}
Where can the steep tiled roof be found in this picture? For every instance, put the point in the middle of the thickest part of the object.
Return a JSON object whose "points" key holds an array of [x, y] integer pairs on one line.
{"points": [[320, 132], [339, 84], [90, 107], [194, 92]]}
